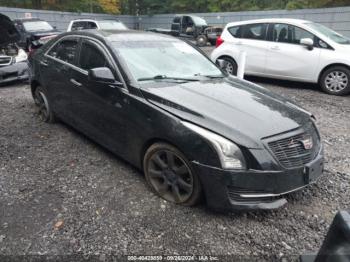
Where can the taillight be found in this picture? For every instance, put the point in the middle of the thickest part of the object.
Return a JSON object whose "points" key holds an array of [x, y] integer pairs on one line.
{"points": [[219, 41]]}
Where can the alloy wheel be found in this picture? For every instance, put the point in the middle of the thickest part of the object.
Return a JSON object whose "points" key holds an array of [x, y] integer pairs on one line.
{"points": [[170, 176], [229, 68], [336, 81]]}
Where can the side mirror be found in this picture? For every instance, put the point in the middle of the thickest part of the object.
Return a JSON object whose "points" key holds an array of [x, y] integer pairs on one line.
{"points": [[308, 42], [102, 74]]}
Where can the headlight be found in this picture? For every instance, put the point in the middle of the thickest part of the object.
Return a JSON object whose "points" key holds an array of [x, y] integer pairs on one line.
{"points": [[230, 155], [21, 56]]}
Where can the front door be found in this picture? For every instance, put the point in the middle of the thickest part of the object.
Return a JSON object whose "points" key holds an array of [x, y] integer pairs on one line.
{"points": [[287, 58], [101, 108]]}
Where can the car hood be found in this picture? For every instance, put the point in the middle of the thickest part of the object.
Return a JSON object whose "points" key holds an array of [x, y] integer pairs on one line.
{"points": [[8, 31], [236, 109]]}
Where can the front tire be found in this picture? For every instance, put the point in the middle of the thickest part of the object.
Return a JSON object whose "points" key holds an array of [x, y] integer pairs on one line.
{"points": [[170, 175], [336, 81], [44, 108]]}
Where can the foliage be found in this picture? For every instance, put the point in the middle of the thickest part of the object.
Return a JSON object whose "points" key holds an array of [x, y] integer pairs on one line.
{"points": [[169, 6], [95, 6]]}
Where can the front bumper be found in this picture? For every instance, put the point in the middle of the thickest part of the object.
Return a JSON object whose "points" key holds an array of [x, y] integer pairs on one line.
{"points": [[14, 72], [254, 189]]}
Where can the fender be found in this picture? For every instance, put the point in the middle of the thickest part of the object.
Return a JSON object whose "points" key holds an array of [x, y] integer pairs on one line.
{"points": [[225, 49]]}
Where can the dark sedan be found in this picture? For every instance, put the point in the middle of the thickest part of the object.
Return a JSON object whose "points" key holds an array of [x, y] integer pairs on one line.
{"points": [[33, 29], [163, 106]]}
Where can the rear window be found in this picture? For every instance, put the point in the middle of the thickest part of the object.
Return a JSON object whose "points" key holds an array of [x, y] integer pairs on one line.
{"points": [[81, 25], [235, 31], [32, 26]]}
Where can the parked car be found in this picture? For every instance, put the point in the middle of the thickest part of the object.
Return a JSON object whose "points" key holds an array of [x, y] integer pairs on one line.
{"points": [[83, 24], [288, 49], [191, 26], [163, 106], [13, 60], [33, 29]]}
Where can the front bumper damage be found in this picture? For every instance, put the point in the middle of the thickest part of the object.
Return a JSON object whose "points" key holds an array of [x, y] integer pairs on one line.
{"points": [[254, 189], [14, 72]]}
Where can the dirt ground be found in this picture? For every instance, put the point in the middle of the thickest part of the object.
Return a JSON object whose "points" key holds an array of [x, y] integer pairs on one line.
{"points": [[61, 193]]}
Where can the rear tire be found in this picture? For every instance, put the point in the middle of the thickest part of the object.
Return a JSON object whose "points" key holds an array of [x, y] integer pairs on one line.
{"points": [[230, 65], [336, 81], [44, 108], [170, 176], [201, 40]]}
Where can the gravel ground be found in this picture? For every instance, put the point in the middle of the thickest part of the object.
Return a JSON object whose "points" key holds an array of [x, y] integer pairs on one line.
{"points": [[60, 193]]}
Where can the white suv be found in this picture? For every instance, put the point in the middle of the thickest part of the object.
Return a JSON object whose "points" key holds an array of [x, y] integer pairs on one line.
{"points": [[288, 49], [83, 24]]}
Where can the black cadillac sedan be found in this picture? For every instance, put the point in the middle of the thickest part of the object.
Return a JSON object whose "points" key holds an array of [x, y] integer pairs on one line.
{"points": [[163, 106]]}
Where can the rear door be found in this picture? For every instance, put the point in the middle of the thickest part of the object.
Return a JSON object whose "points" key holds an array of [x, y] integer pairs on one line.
{"points": [[101, 108], [56, 69], [251, 39], [287, 58]]}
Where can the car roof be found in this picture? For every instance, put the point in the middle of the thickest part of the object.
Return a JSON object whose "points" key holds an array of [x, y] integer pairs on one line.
{"points": [[123, 35], [94, 20], [27, 19], [270, 20]]}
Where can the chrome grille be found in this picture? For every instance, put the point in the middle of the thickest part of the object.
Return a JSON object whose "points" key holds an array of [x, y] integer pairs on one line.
{"points": [[291, 151], [5, 60]]}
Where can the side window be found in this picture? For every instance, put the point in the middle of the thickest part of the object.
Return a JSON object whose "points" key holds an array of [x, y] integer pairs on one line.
{"points": [[90, 25], [236, 31], [177, 20], [298, 34], [254, 31], [65, 50], [19, 27], [91, 57], [284, 33], [78, 25], [280, 33]]}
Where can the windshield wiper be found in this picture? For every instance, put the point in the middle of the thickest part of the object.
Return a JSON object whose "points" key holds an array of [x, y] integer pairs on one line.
{"points": [[161, 77], [210, 76]]}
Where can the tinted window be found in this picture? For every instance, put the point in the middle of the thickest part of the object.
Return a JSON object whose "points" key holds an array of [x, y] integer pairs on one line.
{"points": [[236, 31], [65, 50], [90, 25], [284, 33], [81, 25], [91, 57], [177, 19], [254, 31]]}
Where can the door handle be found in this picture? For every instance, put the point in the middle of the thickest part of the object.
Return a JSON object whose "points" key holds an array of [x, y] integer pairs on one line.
{"points": [[75, 82], [275, 48], [43, 63], [239, 43]]}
